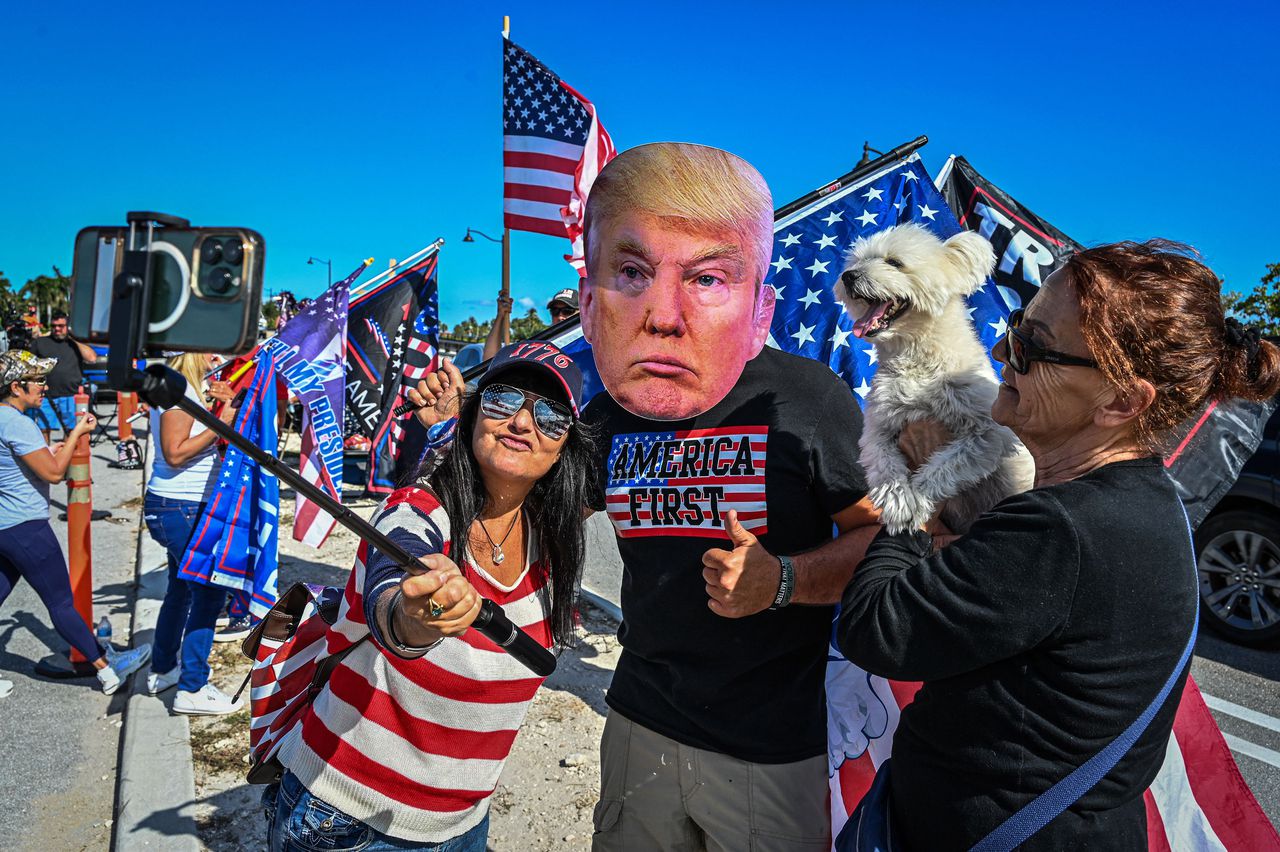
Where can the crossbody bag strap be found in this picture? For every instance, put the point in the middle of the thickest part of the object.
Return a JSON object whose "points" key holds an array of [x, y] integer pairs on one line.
{"points": [[1046, 807], [324, 669]]}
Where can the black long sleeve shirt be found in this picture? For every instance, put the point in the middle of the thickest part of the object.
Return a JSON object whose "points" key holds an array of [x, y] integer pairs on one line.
{"points": [[1040, 636]]}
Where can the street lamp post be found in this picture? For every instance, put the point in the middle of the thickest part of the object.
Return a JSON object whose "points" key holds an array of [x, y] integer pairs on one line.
{"points": [[327, 263], [506, 262]]}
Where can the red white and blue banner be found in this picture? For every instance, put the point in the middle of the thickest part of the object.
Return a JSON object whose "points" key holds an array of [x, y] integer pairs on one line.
{"points": [[310, 357], [393, 334], [234, 542]]}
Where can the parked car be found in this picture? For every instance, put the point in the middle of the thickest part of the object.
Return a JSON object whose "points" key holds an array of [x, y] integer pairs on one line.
{"points": [[469, 356], [1238, 550]]}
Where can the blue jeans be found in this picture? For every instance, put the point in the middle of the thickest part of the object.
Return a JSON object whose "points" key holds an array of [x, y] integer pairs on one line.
{"points": [[299, 822], [190, 610], [57, 412]]}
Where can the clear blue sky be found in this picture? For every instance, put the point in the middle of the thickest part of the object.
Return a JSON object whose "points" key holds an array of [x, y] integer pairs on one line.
{"points": [[349, 130]]}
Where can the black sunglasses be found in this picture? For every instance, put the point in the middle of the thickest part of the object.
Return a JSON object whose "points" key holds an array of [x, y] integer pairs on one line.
{"points": [[500, 402], [1023, 350]]}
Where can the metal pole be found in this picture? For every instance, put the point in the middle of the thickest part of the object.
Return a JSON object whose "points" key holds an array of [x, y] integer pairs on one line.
{"points": [[899, 153], [506, 278]]}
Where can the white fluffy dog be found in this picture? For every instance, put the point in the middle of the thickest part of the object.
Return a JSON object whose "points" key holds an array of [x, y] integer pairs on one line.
{"points": [[905, 289]]}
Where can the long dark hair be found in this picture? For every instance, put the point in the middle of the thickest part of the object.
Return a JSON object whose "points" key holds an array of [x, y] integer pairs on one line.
{"points": [[554, 507]]}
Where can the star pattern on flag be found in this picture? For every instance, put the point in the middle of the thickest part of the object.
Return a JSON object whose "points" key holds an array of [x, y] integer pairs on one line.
{"points": [[816, 326], [534, 102]]}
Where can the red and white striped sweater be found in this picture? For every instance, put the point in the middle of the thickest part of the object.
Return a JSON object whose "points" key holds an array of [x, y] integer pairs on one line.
{"points": [[414, 748]]}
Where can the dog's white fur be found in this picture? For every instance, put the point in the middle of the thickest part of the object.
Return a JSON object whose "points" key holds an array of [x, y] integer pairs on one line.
{"points": [[932, 366]]}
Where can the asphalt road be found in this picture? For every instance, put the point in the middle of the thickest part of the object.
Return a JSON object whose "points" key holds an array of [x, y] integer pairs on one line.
{"points": [[1240, 685]]}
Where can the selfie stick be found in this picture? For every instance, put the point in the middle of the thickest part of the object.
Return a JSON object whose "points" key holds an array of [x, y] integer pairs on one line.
{"points": [[166, 388]]}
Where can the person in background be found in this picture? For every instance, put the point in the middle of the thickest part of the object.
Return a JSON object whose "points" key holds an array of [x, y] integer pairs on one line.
{"points": [[1060, 617], [59, 406], [182, 478], [563, 305], [500, 332], [28, 547]]}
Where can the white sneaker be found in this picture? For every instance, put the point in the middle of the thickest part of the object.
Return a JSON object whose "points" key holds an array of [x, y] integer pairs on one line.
{"points": [[121, 664], [6, 686], [207, 701], [158, 682]]}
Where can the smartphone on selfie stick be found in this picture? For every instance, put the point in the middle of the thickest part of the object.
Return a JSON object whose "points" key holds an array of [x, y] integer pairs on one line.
{"points": [[159, 284]]}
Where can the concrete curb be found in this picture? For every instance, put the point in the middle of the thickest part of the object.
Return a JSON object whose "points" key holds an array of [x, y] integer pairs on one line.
{"points": [[602, 603], [156, 796]]}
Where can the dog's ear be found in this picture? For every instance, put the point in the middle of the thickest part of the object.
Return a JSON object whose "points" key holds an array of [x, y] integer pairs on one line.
{"points": [[972, 258]]}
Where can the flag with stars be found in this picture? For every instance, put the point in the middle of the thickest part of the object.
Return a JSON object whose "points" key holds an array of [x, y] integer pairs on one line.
{"points": [[553, 146], [310, 356], [234, 542], [392, 338], [809, 248]]}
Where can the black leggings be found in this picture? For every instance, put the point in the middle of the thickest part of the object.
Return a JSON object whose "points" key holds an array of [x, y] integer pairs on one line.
{"points": [[31, 550]]}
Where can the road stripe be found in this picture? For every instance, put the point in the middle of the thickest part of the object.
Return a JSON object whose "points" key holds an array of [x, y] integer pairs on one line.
{"points": [[1253, 750], [1253, 717]]}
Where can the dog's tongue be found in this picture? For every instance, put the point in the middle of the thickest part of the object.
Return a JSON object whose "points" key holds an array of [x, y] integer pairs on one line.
{"points": [[869, 319]]}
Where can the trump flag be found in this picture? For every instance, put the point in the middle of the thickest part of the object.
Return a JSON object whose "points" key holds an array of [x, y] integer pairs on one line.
{"points": [[234, 542]]}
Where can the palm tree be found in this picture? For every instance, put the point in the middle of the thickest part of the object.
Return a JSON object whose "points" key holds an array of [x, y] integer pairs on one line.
{"points": [[48, 292]]}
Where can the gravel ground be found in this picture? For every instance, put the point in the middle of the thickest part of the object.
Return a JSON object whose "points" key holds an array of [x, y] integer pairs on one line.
{"points": [[548, 789]]}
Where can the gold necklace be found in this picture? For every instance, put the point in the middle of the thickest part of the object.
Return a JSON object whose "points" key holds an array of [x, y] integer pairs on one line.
{"points": [[498, 555]]}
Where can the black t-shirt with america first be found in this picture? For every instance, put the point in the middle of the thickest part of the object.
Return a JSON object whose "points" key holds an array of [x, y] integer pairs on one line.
{"points": [[782, 449]]}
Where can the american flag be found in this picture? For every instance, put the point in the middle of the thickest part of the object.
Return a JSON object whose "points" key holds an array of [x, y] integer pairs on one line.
{"points": [[808, 257], [400, 317], [682, 483], [553, 147]]}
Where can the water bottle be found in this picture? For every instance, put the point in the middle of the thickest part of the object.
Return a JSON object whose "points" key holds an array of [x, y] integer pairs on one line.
{"points": [[103, 633]]}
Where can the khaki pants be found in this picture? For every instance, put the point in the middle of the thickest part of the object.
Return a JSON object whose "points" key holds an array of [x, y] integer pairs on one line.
{"points": [[657, 794]]}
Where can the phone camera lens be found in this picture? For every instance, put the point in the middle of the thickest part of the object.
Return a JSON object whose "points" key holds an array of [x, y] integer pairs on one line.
{"points": [[220, 282], [211, 252], [233, 251]]}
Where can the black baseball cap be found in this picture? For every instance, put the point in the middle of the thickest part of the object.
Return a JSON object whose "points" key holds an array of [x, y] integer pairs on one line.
{"points": [[568, 297], [542, 356]]}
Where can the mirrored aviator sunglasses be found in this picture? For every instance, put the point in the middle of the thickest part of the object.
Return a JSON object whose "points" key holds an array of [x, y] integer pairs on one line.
{"points": [[499, 402]]}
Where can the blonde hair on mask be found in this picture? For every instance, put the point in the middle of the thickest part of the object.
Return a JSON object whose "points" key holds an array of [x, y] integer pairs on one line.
{"points": [[703, 186], [192, 367]]}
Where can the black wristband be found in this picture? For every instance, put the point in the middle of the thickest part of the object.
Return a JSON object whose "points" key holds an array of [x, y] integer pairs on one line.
{"points": [[786, 583]]}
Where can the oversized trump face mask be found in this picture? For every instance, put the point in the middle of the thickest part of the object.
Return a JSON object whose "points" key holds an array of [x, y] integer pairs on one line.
{"points": [[674, 304]]}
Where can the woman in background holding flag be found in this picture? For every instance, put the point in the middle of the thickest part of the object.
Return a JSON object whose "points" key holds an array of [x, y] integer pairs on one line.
{"points": [[184, 470], [403, 747]]}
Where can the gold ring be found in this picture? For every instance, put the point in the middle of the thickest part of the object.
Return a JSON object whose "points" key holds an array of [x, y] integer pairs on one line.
{"points": [[436, 609]]}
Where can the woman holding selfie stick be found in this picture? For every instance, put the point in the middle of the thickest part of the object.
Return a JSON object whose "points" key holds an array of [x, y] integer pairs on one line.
{"points": [[404, 745], [28, 547]]}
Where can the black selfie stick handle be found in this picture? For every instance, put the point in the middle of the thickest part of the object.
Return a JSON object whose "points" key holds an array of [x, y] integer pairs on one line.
{"points": [[161, 386]]}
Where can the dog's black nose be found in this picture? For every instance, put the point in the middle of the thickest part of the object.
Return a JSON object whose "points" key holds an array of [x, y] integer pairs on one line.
{"points": [[848, 277]]}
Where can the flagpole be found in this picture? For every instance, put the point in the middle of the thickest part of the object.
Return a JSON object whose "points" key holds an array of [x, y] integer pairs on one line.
{"points": [[506, 232], [899, 153], [412, 259]]}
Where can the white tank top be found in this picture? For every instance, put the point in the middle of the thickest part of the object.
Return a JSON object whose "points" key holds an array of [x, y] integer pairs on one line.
{"points": [[192, 481]]}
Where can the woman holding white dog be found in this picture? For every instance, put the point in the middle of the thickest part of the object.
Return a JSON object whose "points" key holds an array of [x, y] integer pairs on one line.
{"points": [[1053, 639]]}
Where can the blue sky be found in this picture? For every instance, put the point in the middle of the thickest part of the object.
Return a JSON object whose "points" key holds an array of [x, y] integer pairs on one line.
{"points": [[346, 131]]}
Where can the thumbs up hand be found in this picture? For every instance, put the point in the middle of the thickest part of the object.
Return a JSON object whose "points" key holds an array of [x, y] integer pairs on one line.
{"points": [[744, 580]]}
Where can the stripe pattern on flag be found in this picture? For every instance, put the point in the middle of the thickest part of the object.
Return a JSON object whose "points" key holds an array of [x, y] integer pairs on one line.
{"points": [[683, 482], [553, 147]]}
